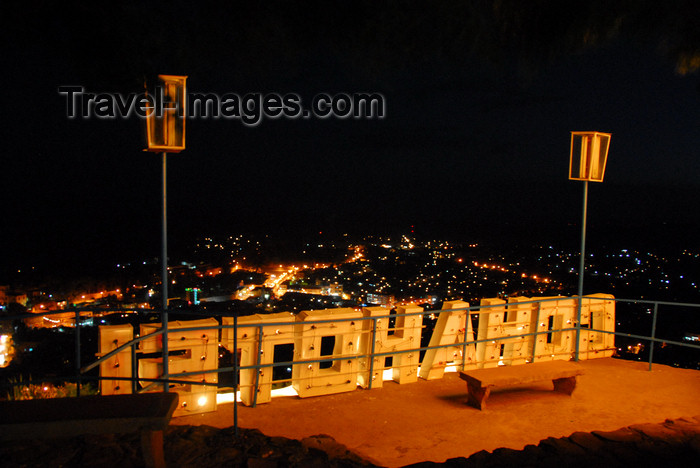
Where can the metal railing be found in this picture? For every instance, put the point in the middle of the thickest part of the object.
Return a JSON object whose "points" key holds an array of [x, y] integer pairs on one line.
{"points": [[80, 371]]}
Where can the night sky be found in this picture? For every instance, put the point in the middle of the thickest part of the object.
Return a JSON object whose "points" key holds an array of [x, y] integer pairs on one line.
{"points": [[481, 98]]}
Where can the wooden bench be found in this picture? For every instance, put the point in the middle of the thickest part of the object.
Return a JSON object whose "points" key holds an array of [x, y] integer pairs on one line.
{"points": [[148, 413], [481, 381]]}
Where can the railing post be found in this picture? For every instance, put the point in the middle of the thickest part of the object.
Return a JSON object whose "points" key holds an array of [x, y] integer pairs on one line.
{"points": [[371, 357], [78, 375], [235, 373], [582, 268], [257, 365], [467, 321], [164, 279], [653, 334], [534, 338], [134, 368]]}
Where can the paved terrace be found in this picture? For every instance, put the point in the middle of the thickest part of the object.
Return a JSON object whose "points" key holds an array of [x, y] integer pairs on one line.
{"points": [[429, 420]]}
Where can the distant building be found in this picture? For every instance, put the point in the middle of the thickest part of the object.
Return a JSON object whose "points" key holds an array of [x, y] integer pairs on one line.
{"points": [[220, 298], [3, 294], [335, 289], [8, 296], [44, 306], [380, 299]]}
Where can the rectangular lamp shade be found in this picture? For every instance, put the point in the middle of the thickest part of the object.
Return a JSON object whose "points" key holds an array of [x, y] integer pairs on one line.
{"points": [[165, 125], [589, 154]]}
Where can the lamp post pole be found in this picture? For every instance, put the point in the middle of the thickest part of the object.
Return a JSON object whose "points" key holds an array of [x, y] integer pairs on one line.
{"points": [[164, 277], [589, 154], [165, 132], [581, 269]]}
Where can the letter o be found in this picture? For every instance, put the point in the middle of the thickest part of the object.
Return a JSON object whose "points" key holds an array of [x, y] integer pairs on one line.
{"points": [[342, 105]]}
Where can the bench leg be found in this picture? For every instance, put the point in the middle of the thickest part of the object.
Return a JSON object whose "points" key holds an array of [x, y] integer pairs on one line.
{"points": [[477, 395], [152, 448], [566, 385]]}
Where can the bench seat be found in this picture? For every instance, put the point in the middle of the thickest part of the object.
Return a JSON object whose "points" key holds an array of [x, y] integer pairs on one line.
{"points": [[480, 381]]}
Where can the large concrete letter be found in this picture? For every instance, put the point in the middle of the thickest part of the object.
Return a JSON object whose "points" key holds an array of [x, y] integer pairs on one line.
{"points": [[406, 335], [598, 313], [111, 337], [450, 329], [518, 322], [189, 351], [249, 342], [491, 319], [309, 378], [550, 319]]}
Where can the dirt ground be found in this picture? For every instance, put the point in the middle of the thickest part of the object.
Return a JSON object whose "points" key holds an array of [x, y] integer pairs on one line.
{"points": [[429, 420], [620, 415]]}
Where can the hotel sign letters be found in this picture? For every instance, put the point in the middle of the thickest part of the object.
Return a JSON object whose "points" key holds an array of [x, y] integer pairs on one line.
{"points": [[337, 350]]}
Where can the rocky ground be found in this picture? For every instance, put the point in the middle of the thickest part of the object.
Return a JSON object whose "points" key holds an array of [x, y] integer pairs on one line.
{"points": [[672, 443]]}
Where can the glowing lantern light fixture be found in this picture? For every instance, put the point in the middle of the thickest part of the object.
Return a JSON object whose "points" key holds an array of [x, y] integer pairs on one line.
{"points": [[165, 133], [165, 123], [589, 154]]}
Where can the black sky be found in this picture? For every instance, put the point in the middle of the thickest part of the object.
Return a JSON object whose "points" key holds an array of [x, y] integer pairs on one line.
{"points": [[481, 97]]}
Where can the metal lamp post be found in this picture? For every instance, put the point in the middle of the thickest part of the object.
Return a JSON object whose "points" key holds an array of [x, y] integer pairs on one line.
{"points": [[589, 154], [165, 132]]}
